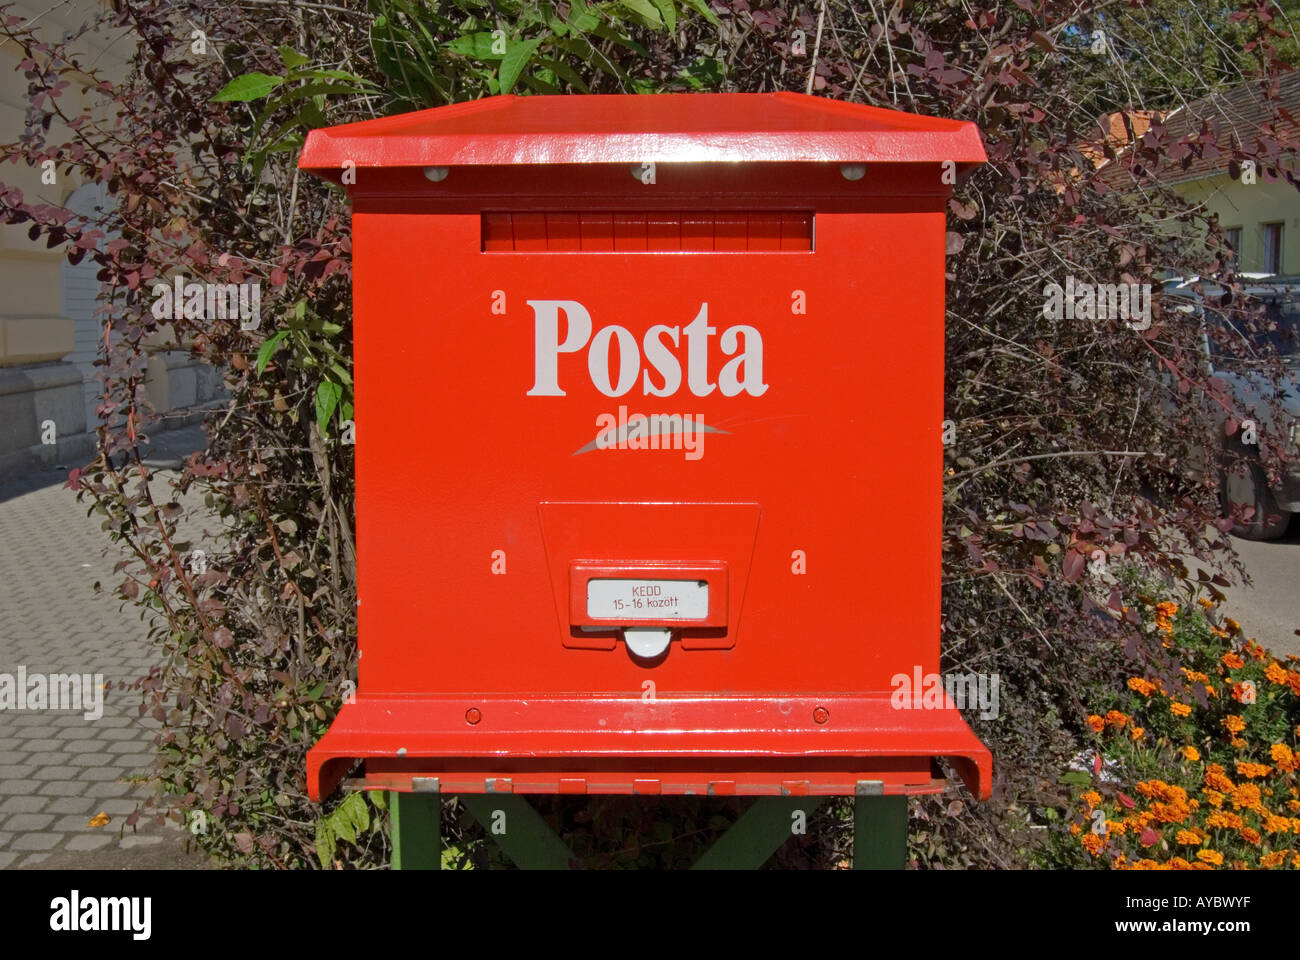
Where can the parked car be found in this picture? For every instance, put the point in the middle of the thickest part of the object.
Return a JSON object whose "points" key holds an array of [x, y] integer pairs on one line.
{"points": [[1241, 358]]}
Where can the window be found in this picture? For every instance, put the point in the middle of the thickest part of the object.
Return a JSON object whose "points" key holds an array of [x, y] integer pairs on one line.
{"points": [[1272, 258], [1232, 237]]}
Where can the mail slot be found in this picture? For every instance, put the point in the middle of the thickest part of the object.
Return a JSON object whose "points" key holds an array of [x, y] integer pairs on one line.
{"points": [[649, 392]]}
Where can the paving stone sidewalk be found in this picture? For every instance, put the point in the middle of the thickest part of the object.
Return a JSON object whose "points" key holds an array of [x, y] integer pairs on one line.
{"points": [[59, 769]]}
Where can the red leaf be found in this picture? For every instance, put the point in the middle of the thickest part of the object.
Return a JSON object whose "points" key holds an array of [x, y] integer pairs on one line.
{"points": [[1125, 799], [1148, 837], [1096, 764], [1073, 565]]}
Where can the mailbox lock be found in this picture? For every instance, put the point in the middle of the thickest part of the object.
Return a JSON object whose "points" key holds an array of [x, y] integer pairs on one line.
{"points": [[646, 643], [821, 715], [472, 715]]}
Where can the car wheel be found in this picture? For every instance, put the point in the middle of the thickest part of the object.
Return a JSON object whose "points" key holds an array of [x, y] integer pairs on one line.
{"points": [[1244, 496]]}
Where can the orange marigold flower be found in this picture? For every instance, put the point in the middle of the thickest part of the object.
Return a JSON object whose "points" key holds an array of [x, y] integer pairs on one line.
{"points": [[1165, 616], [1254, 650], [1076, 829], [1205, 602], [1222, 820], [1215, 798], [1293, 806], [1232, 625], [1284, 757], [1250, 835], [1239, 743], [1209, 856], [1117, 828], [1171, 812], [1246, 795], [1251, 770], [1195, 676], [1276, 674], [1092, 798], [1178, 863], [1233, 723], [1275, 824], [1201, 866], [1191, 754], [1142, 686], [1232, 661], [1274, 859], [1116, 719], [1096, 722], [1295, 862], [1215, 778], [1092, 843], [1137, 732], [1293, 681], [1188, 838], [1179, 709]]}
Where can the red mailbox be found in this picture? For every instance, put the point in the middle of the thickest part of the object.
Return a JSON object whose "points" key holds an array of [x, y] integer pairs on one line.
{"points": [[648, 462]]}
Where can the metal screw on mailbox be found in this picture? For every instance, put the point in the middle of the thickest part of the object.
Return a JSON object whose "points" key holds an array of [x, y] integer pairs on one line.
{"points": [[853, 171], [821, 715], [436, 174], [472, 715]]}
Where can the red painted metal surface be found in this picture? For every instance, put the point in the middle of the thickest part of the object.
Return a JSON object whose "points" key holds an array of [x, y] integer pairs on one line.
{"points": [[666, 128], [762, 417]]}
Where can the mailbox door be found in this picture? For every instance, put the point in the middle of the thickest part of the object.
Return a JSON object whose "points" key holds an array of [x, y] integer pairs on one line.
{"points": [[499, 387]]}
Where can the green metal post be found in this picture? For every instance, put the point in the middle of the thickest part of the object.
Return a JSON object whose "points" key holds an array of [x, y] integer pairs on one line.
{"points": [[758, 833], [879, 829], [416, 830], [519, 831]]}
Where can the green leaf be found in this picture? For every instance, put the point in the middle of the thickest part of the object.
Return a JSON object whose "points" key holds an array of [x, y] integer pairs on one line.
{"points": [[341, 373], [267, 349], [702, 8], [342, 824], [581, 17], [327, 398], [668, 12], [644, 9], [292, 58], [476, 45], [1076, 777], [324, 842], [379, 798], [251, 86], [518, 53], [358, 812], [565, 73]]}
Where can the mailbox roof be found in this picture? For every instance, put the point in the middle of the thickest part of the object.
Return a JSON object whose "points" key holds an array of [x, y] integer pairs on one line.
{"points": [[630, 128]]}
